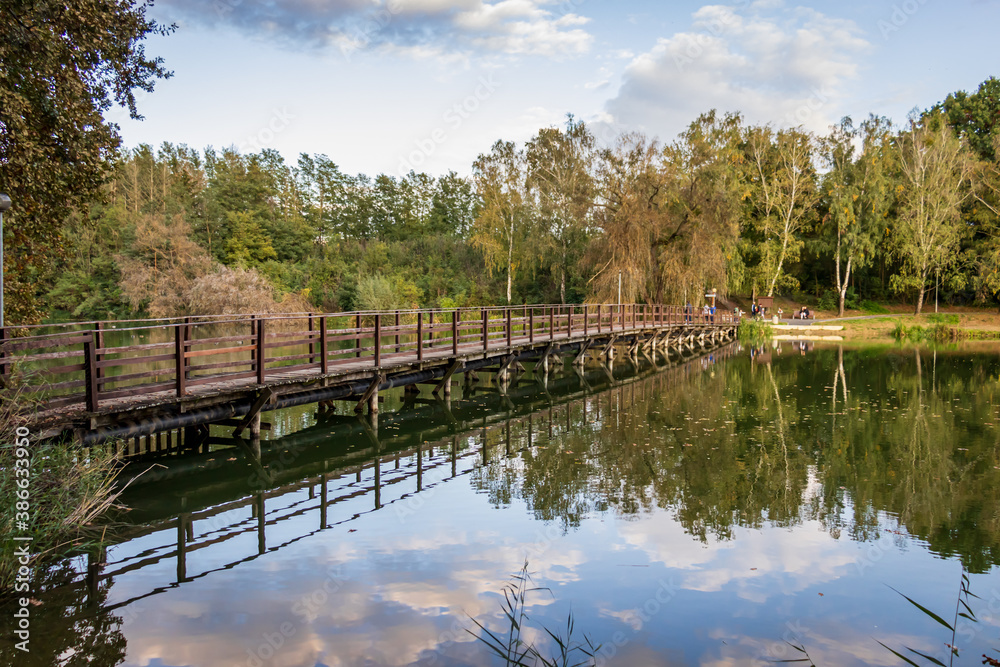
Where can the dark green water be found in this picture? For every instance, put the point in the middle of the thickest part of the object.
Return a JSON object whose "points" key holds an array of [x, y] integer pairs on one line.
{"points": [[712, 513]]}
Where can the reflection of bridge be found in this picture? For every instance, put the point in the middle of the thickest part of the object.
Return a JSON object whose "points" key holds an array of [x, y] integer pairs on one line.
{"points": [[295, 476], [223, 369]]}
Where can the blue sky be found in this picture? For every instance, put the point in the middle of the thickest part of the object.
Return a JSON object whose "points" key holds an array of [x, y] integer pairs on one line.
{"points": [[389, 85]]}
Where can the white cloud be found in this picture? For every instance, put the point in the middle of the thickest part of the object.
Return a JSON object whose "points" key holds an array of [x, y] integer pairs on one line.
{"points": [[773, 64], [511, 27]]}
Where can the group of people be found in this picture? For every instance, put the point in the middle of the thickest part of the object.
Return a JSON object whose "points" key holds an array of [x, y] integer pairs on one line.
{"points": [[756, 311], [707, 313]]}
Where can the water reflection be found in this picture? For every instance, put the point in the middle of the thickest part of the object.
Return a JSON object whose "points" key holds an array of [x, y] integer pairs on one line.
{"points": [[706, 513]]}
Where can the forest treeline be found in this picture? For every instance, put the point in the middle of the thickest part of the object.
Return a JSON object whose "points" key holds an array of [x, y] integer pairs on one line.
{"points": [[869, 211]]}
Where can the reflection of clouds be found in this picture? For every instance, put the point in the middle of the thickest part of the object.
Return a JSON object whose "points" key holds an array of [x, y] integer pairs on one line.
{"points": [[392, 597], [758, 564], [831, 644]]}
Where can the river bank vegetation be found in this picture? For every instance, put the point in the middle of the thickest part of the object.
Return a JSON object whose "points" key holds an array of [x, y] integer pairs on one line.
{"points": [[867, 214]]}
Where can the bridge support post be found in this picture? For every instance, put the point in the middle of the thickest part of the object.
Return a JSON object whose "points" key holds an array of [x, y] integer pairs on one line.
{"points": [[370, 396]]}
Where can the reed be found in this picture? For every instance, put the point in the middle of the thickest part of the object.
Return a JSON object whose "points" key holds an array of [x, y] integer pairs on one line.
{"points": [[514, 650]]}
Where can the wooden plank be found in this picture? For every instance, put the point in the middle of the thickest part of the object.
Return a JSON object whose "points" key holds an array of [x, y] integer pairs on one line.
{"points": [[180, 334], [261, 351], [108, 379], [59, 370], [60, 340], [191, 354], [115, 363], [420, 336], [323, 345], [211, 379], [139, 390], [263, 399], [90, 370]]}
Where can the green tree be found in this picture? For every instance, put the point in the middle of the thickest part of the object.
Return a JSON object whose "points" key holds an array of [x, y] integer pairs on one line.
{"points": [[703, 182], [858, 191], [559, 178], [502, 227], [782, 194], [975, 116], [623, 253], [935, 167], [249, 245], [62, 67]]}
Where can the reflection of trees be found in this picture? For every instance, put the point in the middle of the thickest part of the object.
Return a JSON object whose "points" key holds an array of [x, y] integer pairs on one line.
{"points": [[71, 628], [900, 433]]}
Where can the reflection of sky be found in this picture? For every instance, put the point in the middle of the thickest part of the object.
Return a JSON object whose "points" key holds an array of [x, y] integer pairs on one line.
{"points": [[398, 587]]}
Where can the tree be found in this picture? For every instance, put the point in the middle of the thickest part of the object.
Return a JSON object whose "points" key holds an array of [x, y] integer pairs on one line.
{"points": [[935, 167], [975, 117], [627, 215], [701, 200], [858, 193], [501, 228], [62, 66], [783, 195], [453, 206], [560, 180]]}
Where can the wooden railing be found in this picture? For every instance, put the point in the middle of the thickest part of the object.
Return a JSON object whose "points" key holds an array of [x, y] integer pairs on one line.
{"points": [[95, 362]]}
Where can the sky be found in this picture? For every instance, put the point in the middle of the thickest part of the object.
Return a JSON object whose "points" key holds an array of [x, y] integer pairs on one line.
{"points": [[386, 86]]}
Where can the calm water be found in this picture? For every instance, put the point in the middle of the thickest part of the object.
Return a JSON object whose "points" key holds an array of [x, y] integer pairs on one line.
{"points": [[710, 513]]}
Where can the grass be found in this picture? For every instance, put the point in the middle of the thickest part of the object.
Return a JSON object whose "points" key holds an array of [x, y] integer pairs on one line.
{"points": [[754, 331], [68, 492], [941, 330]]}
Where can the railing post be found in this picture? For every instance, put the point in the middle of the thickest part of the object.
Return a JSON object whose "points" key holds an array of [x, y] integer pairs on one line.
{"points": [[569, 321], [90, 370], [486, 330], [324, 362], [420, 336], [261, 351], [312, 344], [531, 325], [99, 331], [455, 317], [552, 323], [357, 341], [180, 347], [397, 331], [510, 331], [430, 323], [378, 340], [585, 320]]}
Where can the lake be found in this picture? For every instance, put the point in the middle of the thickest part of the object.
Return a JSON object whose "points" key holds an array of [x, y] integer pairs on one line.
{"points": [[744, 507]]}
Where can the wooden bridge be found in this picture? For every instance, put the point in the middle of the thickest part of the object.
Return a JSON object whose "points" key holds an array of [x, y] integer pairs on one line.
{"points": [[95, 381]]}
